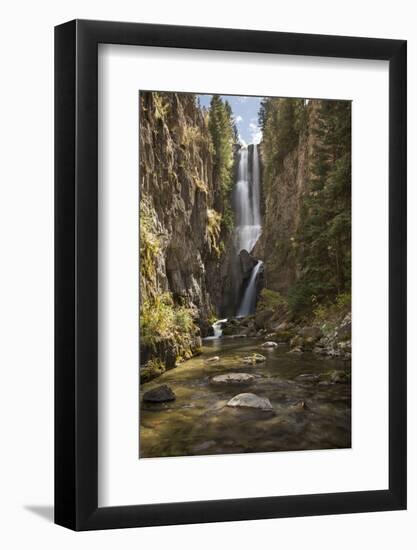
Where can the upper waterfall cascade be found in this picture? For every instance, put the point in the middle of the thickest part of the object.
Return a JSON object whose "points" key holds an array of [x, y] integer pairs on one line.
{"points": [[247, 204], [248, 220]]}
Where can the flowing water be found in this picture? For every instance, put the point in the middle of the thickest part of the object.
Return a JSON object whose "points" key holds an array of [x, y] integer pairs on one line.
{"points": [[247, 203], [248, 217], [199, 421], [248, 304]]}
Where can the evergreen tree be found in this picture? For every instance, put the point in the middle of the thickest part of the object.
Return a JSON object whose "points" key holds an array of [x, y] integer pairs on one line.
{"points": [[324, 234]]}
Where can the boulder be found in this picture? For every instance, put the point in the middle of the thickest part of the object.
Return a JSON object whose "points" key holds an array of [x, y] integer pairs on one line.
{"points": [[247, 263], [269, 344], [295, 350], [250, 400], [232, 378], [160, 394], [213, 359]]}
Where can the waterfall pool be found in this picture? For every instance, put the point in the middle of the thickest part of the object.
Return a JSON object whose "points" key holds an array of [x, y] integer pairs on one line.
{"points": [[306, 414]]}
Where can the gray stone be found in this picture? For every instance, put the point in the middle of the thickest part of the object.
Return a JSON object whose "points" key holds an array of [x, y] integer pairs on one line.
{"points": [[247, 263], [269, 344], [160, 394], [250, 400], [213, 359], [232, 378]]}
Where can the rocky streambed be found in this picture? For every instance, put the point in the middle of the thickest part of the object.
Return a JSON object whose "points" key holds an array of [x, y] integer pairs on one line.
{"points": [[241, 395]]}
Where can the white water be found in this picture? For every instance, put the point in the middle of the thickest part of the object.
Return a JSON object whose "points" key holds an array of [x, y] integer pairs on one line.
{"points": [[248, 214], [248, 304], [217, 329]]}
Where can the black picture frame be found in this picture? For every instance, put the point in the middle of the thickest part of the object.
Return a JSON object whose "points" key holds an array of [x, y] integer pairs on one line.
{"points": [[76, 272]]}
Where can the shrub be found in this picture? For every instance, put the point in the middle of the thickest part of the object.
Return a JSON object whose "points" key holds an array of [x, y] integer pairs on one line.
{"points": [[270, 300], [213, 230]]}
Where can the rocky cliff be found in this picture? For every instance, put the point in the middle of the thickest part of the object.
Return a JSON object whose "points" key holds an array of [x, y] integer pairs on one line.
{"points": [[285, 185], [181, 231]]}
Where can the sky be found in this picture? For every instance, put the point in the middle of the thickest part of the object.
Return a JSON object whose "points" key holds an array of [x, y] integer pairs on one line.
{"points": [[245, 110]]}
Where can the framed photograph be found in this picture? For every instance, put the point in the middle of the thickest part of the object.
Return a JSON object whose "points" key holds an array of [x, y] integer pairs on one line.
{"points": [[230, 252]]}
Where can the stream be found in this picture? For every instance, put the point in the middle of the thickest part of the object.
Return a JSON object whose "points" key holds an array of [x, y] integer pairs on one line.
{"points": [[308, 411]]}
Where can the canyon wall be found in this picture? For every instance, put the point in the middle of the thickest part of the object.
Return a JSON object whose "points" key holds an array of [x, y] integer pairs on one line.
{"points": [[182, 234]]}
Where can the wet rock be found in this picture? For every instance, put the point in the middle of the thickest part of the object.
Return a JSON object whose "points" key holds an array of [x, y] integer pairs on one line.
{"points": [[233, 378], [254, 358], [269, 344], [295, 350], [151, 370], [247, 263], [159, 394], [213, 359], [250, 400]]}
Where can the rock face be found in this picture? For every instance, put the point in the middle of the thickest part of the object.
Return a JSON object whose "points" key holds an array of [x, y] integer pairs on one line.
{"points": [[283, 206], [250, 400], [233, 378], [160, 394], [182, 238]]}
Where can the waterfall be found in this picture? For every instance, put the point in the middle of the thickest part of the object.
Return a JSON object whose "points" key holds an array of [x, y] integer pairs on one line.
{"points": [[248, 303], [217, 329], [247, 201], [248, 220]]}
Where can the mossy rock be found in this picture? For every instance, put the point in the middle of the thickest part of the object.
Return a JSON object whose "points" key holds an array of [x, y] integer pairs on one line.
{"points": [[151, 370]]}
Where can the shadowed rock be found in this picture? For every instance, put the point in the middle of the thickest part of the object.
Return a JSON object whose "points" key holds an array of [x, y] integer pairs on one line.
{"points": [[159, 395]]}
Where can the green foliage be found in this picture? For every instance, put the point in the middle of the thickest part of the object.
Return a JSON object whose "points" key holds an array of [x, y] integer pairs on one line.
{"points": [[153, 368], [324, 236], [222, 131], [270, 300], [213, 230], [321, 249], [161, 107], [328, 315], [282, 121], [161, 319], [149, 243]]}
